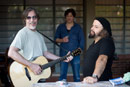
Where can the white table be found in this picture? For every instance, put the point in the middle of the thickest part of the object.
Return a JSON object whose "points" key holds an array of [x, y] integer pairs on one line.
{"points": [[78, 84]]}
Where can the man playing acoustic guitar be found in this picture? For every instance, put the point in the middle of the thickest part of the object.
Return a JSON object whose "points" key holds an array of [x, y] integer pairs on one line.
{"points": [[29, 43]]}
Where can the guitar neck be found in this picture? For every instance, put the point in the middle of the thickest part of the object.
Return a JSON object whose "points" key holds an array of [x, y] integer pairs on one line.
{"points": [[74, 53], [50, 64]]}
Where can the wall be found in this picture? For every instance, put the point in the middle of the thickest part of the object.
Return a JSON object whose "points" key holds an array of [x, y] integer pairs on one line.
{"points": [[121, 65]]}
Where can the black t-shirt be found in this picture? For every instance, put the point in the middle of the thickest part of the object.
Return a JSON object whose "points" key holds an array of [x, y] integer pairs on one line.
{"points": [[104, 46]]}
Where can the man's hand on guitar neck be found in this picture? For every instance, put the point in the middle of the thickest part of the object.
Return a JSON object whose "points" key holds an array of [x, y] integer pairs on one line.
{"points": [[69, 58], [35, 68]]}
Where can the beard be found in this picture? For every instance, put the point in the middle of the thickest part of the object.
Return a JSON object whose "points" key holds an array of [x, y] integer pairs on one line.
{"points": [[32, 25], [91, 34]]}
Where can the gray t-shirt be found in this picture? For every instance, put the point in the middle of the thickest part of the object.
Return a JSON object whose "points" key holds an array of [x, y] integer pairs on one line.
{"points": [[31, 43]]}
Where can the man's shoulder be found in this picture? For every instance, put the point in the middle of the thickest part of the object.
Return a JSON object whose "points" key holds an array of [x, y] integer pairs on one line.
{"points": [[108, 42], [62, 25], [77, 26], [107, 39], [22, 31]]}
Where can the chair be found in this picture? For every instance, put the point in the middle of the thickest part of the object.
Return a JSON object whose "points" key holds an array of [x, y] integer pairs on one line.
{"points": [[4, 69]]}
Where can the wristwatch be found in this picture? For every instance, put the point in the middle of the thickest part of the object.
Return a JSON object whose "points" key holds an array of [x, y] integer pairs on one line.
{"points": [[95, 76]]}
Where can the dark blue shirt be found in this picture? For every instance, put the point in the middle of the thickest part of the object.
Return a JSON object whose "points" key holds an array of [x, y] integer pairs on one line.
{"points": [[75, 35]]}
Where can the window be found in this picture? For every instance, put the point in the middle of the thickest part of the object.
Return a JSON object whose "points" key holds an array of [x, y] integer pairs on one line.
{"points": [[10, 21], [117, 12]]}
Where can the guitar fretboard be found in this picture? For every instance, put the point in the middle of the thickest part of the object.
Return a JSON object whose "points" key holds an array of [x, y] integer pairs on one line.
{"points": [[50, 64]]}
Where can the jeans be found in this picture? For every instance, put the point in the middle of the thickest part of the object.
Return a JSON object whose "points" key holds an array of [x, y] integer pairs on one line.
{"points": [[75, 63]]}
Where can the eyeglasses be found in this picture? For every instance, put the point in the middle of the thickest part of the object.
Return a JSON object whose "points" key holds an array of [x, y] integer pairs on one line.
{"points": [[33, 17]]}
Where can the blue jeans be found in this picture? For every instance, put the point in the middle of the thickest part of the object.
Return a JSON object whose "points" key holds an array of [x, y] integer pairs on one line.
{"points": [[75, 63]]}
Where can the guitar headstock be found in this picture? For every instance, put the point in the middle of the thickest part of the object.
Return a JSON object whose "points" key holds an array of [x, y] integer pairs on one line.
{"points": [[76, 52]]}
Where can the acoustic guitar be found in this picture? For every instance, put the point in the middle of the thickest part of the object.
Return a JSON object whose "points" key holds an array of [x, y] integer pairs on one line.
{"points": [[22, 76]]}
